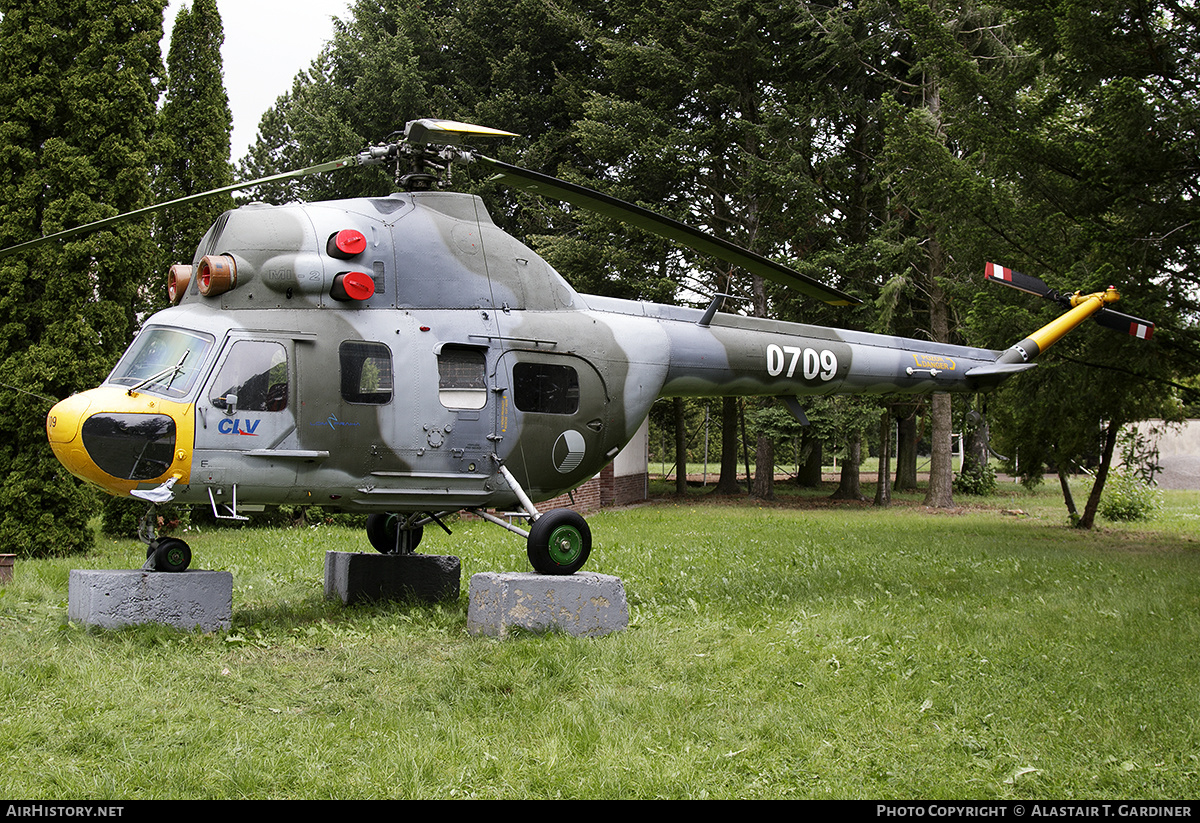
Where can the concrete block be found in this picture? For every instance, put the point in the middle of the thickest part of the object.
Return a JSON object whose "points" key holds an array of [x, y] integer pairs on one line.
{"points": [[355, 577], [130, 597], [580, 604]]}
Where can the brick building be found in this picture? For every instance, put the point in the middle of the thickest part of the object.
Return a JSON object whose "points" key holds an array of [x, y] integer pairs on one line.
{"points": [[623, 481]]}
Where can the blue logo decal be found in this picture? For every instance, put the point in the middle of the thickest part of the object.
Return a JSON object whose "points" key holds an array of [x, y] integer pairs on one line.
{"points": [[332, 422], [233, 425]]}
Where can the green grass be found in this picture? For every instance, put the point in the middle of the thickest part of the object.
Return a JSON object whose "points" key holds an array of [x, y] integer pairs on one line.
{"points": [[800, 649]]}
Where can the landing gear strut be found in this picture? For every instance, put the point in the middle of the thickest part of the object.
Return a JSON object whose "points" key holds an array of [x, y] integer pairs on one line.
{"points": [[558, 541], [163, 554]]}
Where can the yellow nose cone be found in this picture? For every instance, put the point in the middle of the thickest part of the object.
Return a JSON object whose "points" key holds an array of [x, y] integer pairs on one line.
{"points": [[63, 421], [121, 441], [62, 429]]}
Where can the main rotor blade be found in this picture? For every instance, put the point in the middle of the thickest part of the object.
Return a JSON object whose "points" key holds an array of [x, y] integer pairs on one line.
{"points": [[428, 132], [681, 233], [129, 215]]}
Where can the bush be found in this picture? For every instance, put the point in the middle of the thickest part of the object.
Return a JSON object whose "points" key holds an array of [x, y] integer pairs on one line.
{"points": [[976, 478], [1128, 497], [120, 516]]}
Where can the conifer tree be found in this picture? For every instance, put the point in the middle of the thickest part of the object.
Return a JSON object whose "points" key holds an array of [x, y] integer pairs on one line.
{"points": [[196, 123], [78, 91]]}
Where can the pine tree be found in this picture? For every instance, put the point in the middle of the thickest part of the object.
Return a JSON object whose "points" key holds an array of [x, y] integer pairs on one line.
{"points": [[1101, 158], [78, 89], [196, 122]]}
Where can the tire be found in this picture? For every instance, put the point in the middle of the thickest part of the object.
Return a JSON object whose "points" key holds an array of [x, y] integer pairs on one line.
{"points": [[381, 532], [171, 555], [559, 542]]}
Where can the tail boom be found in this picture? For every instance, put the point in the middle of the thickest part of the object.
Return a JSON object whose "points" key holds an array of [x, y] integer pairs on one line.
{"points": [[1083, 307]]}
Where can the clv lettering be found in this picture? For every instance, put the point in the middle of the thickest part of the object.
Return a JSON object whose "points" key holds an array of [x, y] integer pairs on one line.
{"points": [[233, 425]]}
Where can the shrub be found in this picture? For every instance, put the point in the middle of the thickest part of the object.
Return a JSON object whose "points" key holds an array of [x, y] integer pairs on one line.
{"points": [[120, 516], [976, 478], [1128, 497]]}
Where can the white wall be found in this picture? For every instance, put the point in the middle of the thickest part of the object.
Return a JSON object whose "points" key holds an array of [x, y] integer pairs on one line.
{"points": [[632, 458], [1178, 452]]}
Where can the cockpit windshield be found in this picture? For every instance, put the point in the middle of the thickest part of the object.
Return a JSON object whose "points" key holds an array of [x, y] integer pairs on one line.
{"points": [[163, 361]]}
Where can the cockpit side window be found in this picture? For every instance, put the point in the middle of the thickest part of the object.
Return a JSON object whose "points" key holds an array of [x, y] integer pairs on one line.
{"points": [[254, 377], [545, 388], [366, 372]]}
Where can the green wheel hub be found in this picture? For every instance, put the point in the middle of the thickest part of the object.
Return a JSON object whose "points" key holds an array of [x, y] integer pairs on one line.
{"points": [[177, 555], [566, 544]]}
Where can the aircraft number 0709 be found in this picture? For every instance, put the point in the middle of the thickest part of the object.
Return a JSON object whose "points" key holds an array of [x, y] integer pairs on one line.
{"points": [[814, 364]]}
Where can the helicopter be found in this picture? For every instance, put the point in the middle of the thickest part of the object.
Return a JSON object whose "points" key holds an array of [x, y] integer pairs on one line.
{"points": [[404, 357]]}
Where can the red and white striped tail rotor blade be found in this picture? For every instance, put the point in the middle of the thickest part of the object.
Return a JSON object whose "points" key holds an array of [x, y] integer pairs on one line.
{"points": [[1024, 282], [1118, 321]]}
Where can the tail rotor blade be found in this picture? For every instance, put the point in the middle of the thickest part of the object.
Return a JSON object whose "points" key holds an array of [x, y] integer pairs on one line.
{"points": [[1118, 321], [1023, 282]]}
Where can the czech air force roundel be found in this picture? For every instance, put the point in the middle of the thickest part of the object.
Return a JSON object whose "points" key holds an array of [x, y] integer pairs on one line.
{"points": [[568, 451]]}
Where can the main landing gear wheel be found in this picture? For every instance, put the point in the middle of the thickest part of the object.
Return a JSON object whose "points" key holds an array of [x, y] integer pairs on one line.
{"points": [[382, 529], [170, 554], [559, 542]]}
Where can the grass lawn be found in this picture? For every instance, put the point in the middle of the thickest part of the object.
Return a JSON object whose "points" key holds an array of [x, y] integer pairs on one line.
{"points": [[795, 649]]}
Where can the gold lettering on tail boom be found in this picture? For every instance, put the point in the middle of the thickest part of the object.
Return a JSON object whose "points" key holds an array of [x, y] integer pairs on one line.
{"points": [[934, 361]]}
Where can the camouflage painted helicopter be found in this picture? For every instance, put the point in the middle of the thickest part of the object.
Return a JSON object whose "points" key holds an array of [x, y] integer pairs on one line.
{"points": [[405, 357]]}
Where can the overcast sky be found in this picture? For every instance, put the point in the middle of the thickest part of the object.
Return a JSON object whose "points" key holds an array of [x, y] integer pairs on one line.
{"points": [[266, 43]]}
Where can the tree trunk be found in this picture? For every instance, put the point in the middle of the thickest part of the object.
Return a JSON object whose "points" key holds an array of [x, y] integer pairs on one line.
{"points": [[745, 442], [906, 452], [764, 469], [975, 452], [940, 494], [1068, 498], [809, 474], [941, 467], [849, 486], [1093, 501], [883, 489], [727, 483]]}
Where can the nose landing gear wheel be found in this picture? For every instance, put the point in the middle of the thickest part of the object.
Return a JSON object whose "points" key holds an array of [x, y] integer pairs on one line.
{"points": [[381, 532], [559, 542], [170, 554]]}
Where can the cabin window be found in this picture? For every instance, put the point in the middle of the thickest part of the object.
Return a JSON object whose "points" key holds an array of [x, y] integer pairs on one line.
{"points": [[462, 378], [253, 378], [152, 361], [366, 372], [545, 388]]}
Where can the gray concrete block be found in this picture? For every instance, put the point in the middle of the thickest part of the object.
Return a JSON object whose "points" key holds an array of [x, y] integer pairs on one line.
{"points": [[580, 604], [115, 598], [354, 577]]}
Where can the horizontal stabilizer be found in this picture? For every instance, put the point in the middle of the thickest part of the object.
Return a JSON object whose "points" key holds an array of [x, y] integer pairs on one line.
{"points": [[982, 378]]}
